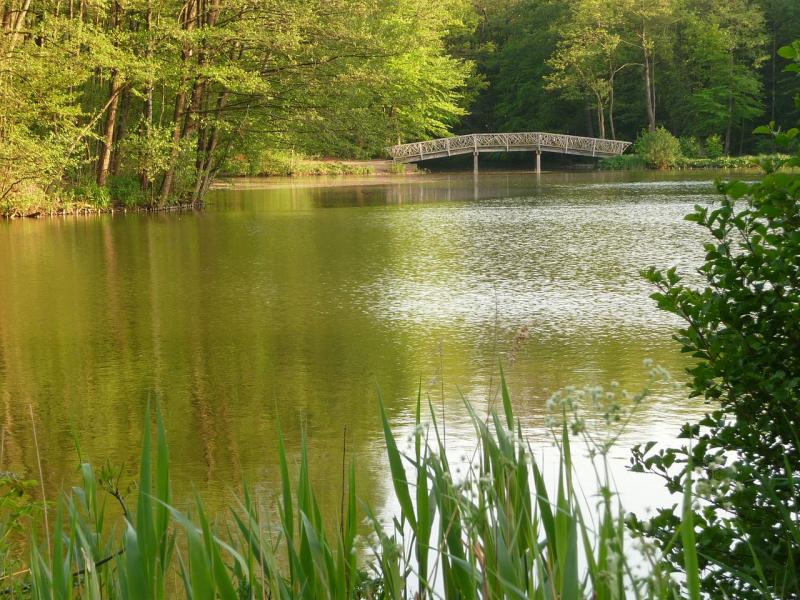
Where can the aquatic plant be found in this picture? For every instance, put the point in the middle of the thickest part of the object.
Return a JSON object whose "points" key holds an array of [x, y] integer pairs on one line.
{"points": [[487, 527]]}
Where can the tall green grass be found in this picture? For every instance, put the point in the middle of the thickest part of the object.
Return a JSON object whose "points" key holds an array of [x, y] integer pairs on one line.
{"points": [[495, 530]]}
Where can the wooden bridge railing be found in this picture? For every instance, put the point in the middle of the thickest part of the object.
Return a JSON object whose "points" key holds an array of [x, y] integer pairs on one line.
{"points": [[507, 142]]}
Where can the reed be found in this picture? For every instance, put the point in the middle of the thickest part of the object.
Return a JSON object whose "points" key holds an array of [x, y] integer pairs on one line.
{"points": [[491, 530]]}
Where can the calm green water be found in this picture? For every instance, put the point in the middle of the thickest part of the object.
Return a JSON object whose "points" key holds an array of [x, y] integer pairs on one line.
{"points": [[299, 301]]}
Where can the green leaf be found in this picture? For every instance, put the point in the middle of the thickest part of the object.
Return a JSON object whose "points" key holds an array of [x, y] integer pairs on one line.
{"points": [[688, 539], [399, 480]]}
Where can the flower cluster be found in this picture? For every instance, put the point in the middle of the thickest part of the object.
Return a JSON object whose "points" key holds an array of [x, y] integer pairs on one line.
{"points": [[598, 413]]}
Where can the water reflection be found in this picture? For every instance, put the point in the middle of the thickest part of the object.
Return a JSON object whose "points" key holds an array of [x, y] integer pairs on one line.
{"points": [[293, 301]]}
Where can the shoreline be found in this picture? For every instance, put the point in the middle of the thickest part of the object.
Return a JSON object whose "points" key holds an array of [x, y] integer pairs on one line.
{"points": [[270, 182], [87, 210]]}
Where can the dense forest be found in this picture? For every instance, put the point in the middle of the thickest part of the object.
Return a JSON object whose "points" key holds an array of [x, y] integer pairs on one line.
{"points": [[148, 98], [147, 101], [612, 68]]}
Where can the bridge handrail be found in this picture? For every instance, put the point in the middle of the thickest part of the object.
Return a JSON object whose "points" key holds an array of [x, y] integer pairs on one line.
{"points": [[548, 142]]}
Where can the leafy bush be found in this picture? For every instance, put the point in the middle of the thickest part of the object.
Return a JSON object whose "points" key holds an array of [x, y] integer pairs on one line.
{"points": [[28, 198], [690, 147], [623, 162], [659, 149], [145, 154], [635, 162], [280, 163], [276, 163], [714, 147], [744, 332], [93, 194], [237, 165], [126, 189], [725, 162]]}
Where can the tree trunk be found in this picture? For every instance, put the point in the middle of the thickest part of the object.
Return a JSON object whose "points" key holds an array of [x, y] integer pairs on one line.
{"points": [[147, 121], [207, 145], [653, 87], [5, 17], [649, 87], [200, 101], [191, 123], [17, 25], [107, 142], [181, 110], [651, 109], [122, 128], [729, 127], [611, 109], [166, 183], [589, 121], [185, 125], [773, 61], [601, 119], [741, 137], [214, 162]]}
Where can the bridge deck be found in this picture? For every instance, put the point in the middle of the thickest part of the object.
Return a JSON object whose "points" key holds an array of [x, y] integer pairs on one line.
{"points": [[507, 142]]}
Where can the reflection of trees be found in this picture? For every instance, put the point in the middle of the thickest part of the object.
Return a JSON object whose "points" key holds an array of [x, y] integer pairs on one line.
{"points": [[232, 330], [279, 309]]}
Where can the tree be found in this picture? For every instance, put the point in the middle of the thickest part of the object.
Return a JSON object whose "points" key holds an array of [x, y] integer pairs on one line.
{"points": [[579, 69], [725, 42], [163, 91], [646, 23], [743, 329], [587, 59], [782, 22], [511, 46]]}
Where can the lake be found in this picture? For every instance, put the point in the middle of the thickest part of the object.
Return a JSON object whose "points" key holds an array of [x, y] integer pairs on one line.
{"points": [[296, 301]]}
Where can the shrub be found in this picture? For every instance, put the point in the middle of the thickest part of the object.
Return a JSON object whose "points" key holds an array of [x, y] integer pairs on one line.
{"points": [[743, 329], [26, 199], [690, 146], [93, 194], [659, 149], [623, 162], [276, 163], [726, 162], [714, 148], [126, 189], [237, 165]]}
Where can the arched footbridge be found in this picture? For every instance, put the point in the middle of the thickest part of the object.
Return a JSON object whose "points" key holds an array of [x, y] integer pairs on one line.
{"points": [[534, 141]]}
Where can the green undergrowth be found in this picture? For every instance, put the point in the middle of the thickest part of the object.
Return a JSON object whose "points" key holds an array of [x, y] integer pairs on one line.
{"points": [[727, 162], [623, 162], [633, 162], [487, 527], [280, 163], [123, 192]]}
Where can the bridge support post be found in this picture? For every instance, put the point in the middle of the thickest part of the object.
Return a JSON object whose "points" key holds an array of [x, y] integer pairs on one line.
{"points": [[538, 163], [475, 163]]}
